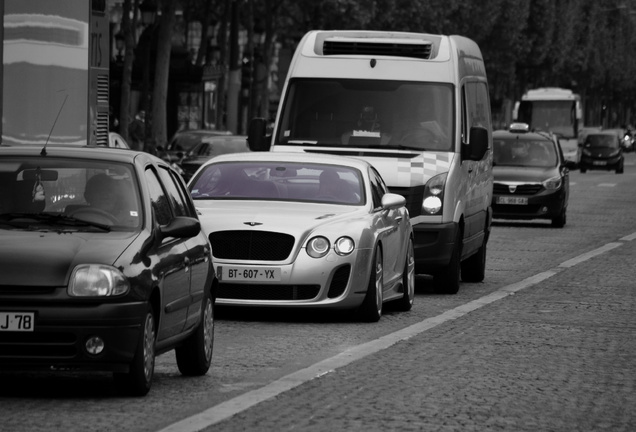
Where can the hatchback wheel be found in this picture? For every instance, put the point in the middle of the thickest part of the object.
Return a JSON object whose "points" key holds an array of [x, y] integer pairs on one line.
{"points": [[195, 355], [138, 380]]}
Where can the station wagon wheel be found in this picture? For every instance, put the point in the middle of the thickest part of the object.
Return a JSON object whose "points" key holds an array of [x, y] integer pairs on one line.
{"points": [[195, 355], [138, 380], [408, 280], [371, 308]]}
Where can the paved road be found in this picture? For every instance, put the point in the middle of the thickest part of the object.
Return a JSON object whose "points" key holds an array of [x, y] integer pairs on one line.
{"points": [[558, 354], [555, 355]]}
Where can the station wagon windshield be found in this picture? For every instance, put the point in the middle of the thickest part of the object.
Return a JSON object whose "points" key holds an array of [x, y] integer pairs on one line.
{"points": [[368, 113]]}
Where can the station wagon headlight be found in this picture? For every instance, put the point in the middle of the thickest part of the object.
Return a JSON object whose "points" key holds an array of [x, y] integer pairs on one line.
{"points": [[317, 247], [344, 246], [434, 194], [96, 280], [553, 183]]}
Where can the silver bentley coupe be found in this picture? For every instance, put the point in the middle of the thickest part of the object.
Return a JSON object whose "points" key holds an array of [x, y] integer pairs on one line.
{"points": [[305, 231]]}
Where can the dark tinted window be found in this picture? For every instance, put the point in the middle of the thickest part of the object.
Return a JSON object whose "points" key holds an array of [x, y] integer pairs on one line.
{"points": [[160, 203], [174, 194]]}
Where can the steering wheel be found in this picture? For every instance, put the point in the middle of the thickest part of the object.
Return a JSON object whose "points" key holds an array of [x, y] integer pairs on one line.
{"points": [[412, 136], [93, 214]]}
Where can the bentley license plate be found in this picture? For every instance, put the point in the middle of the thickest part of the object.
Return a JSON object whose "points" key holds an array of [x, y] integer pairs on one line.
{"points": [[231, 273], [17, 321], [512, 200]]}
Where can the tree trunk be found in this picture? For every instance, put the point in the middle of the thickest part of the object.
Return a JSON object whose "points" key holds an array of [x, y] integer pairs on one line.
{"points": [[159, 130], [128, 30]]}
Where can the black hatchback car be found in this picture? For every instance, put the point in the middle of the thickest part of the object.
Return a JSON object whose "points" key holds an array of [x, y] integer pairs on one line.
{"points": [[103, 265], [602, 151], [531, 176]]}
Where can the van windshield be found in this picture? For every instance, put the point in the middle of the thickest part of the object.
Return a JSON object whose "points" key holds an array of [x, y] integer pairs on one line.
{"points": [[367, 113]]}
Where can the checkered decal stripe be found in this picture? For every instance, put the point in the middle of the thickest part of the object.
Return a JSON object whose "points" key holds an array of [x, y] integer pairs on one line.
{"points": [[412, 171]]}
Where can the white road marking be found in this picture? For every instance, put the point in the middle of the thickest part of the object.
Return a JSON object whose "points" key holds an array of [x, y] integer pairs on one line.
{"points": [[591, 254], [629, 237], [606, 184], [227, 409]]}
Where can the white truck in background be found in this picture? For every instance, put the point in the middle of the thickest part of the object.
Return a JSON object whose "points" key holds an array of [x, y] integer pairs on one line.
{"points": [[556, 110]]}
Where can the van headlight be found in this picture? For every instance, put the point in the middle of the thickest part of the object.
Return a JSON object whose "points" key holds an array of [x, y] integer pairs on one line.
{"points": [[434, 195], [553, 183], [97, 280]]}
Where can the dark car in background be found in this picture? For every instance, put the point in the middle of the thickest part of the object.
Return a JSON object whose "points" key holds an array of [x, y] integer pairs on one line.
{"points": [[624, 136], [103, 265], [209, 147], [531, 176], [184, 141], [602, 151]]}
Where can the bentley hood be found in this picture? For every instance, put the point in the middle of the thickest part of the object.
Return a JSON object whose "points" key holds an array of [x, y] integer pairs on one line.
{"points": [[295, 219]]}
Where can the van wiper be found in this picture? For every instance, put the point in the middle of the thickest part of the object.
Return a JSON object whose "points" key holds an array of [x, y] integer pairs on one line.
{"points": [[407, 147]]}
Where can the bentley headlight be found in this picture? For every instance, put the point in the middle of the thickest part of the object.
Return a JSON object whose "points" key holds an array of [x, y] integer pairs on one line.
{"points": [[344, 246], [553, 183], [434, 195], [317, 247], [96, 280]]}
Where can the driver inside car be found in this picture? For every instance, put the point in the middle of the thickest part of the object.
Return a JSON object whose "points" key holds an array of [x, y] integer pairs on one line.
{"points": [[418, 125], [107, 202]]}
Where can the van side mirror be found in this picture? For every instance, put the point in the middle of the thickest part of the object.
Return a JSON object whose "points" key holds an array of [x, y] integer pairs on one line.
{"points": [[478, 144], [257, 138]]}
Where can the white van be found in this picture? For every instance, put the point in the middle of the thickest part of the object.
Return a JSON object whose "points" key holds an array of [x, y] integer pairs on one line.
{"points": [[414, 105]]}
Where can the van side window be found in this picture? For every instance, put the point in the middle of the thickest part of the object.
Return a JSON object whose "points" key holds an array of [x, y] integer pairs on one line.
{"points": [[477, 105], [464, 126]]}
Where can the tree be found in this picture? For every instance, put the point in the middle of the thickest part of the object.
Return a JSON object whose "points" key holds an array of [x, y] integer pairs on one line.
{"points": [[159, 131], [127, 28]]}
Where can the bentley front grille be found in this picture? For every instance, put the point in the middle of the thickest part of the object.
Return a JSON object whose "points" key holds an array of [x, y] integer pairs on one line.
{"points": [[251, 245]]}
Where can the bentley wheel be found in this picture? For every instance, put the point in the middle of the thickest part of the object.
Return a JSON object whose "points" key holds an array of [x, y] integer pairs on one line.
{"points": [[371, 308], [408, 280]]}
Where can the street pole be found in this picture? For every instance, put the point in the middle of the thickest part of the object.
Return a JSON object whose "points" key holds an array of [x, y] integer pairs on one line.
{"points": [[234, 84]]}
